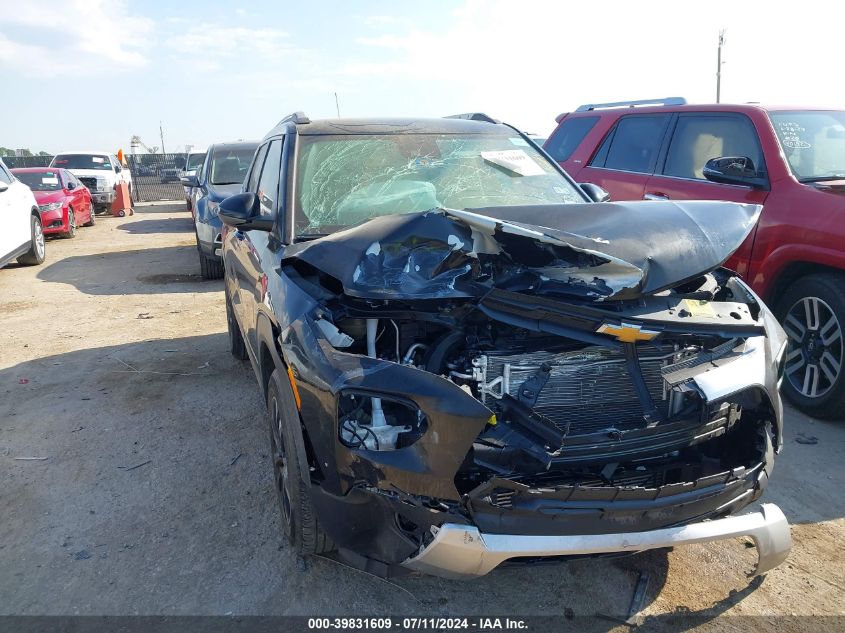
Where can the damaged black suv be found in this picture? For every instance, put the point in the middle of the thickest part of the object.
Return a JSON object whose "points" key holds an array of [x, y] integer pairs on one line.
{"points": [[467, 360]]}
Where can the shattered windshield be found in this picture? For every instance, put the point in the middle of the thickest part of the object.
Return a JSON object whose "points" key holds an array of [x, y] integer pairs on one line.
{"points": [[345, 180]]}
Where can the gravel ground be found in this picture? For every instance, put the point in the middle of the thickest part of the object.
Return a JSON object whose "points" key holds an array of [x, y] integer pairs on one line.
{"points": [[152, 490]]}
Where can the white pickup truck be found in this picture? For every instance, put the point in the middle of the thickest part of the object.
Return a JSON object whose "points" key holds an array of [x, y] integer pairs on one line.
{"points": [[98, 170]]}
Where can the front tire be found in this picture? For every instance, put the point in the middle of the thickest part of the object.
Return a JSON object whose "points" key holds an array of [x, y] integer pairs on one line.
{"points": [[71, 224], [90, 221], [210, 268], [299, 522], [812, 311], [37, 249]]}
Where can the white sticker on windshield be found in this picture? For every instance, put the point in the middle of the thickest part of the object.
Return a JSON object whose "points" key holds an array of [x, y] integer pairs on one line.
{"points": [[98, 159], [521, 142], [47, 180], [514, 160]]}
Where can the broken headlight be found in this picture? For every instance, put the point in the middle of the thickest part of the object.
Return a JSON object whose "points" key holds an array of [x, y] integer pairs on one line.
{"points": [[378, 423]]}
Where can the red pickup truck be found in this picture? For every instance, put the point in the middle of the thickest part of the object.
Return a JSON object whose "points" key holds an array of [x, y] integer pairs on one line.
{"points": [[789, 159]]}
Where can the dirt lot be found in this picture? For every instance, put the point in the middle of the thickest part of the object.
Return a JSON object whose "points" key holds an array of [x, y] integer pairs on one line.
{"points": [[152, 493]]}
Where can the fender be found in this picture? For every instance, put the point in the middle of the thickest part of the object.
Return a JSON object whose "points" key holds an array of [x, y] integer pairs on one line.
{"points": [[781, 257], [266, 335]]}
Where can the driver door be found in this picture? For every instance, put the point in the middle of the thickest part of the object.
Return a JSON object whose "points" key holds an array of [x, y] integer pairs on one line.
{"points": [[696, 138], [235, 246], [254, 254]]}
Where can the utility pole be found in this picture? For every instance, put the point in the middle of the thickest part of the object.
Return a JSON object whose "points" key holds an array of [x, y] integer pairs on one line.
{"points": [[161, 134], [337, 105], [719, 65]]}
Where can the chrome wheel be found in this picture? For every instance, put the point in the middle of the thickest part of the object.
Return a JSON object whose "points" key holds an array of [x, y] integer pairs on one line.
{"points": [[815, 350], [71, 224], [280, 466], [38, 239]]}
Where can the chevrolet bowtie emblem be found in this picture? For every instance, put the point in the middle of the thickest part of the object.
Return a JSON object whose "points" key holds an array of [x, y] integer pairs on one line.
{"points": [[627, 333]]}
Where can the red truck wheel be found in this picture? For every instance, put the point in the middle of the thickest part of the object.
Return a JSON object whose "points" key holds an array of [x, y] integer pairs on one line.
{"points": [[812, 311]]}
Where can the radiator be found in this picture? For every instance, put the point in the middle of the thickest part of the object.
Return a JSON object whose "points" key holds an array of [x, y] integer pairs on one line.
{"points": [[588, 389]]}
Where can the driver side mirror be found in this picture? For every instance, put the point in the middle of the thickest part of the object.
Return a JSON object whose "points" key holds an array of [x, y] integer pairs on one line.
{"points": [[190, 181], [735, 170], [3, 187], [241, 212], [71, 186], [594, 192]]}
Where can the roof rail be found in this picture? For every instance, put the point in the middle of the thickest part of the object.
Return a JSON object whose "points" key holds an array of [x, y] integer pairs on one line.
{"points": [[296, 117], [473, 116], [667, 101]]}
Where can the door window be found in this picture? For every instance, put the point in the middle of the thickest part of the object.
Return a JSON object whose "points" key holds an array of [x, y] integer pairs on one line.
{"points": [[634, 143], [700, 137], [255, 174], [268, 184], [204, 170]]}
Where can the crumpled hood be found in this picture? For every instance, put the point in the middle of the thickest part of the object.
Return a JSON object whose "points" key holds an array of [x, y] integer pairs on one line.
{"points": [[613, 250]]}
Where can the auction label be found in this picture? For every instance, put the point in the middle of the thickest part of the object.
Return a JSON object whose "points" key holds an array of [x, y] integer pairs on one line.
{"points": [[418, 624]]}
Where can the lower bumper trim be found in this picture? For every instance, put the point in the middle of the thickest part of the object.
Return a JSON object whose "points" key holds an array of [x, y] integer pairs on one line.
{"points": [[461, 551]]}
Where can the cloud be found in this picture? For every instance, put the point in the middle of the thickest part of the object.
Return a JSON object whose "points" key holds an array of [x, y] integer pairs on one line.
{"points": [[382, 20], [383, 41], [527, 62], [208, 46], [87, 37]]}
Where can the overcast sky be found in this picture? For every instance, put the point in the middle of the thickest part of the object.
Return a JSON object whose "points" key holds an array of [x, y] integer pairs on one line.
{"points": [[91, 73]]}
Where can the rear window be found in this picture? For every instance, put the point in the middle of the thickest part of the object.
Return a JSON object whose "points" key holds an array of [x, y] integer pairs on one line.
{"points": [[633, 144], [568, 136]]}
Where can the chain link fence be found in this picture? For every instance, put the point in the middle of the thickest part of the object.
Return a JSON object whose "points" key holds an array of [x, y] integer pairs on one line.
{"points": [[154, 176], [15, 162]]}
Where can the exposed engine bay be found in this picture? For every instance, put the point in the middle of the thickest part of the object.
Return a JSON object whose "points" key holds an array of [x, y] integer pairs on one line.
{"points": [[563, 409], [512, 376], [589, 381]]}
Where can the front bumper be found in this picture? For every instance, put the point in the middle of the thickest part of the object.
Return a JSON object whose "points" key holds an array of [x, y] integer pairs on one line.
{"points": [[461, 551], [53, 222], [102, 197], [209, 236]]}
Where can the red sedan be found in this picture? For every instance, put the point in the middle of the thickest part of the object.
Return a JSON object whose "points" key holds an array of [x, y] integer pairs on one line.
{"points": [[64, 202]]}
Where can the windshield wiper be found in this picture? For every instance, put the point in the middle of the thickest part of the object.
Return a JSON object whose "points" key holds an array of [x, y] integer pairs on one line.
{"points": [[823, 178]]}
